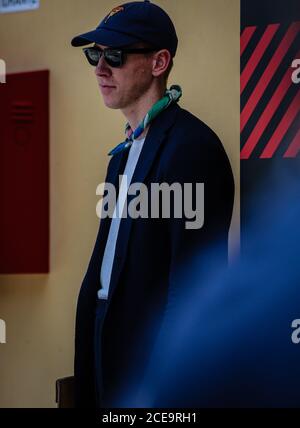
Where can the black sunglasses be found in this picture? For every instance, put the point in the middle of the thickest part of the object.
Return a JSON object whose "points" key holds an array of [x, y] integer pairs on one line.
{"points": [[115, 57]]}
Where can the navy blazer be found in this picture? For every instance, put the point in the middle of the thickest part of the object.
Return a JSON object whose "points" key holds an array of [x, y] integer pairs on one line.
{"points": [[150, 251]]}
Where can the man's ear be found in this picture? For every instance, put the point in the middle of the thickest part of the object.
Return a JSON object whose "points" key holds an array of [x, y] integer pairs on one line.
{"points": [[161, 61]]}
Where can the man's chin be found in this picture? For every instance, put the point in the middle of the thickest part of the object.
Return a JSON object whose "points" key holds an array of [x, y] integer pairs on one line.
{"points": [[112, 107], [111, 104]]}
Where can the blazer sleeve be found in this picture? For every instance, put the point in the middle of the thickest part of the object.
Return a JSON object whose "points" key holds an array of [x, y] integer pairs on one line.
{"points": [[195, 252]]}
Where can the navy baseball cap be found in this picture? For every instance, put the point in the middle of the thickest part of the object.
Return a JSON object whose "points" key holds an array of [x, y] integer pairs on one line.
{"points": [[139, 21]]}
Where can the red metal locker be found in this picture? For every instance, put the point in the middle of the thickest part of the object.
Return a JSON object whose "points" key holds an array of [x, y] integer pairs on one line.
{"points": [[24, 173]]}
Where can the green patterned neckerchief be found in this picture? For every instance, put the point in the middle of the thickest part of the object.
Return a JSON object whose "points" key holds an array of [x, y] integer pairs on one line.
{"points": [[171, 95]]}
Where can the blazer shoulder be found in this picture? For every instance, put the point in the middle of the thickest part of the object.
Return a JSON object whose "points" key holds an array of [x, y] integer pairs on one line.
{"points": [[192, 134], [193, 149], [193, 127]]}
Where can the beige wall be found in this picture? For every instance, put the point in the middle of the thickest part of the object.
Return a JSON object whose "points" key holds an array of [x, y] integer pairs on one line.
{"points": [[39, 310]]}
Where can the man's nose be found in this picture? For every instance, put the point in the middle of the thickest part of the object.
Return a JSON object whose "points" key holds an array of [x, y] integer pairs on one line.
{"points": [[102, 68]]}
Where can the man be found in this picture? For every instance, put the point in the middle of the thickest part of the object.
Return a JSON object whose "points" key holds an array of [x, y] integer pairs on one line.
{"points": [[133, 271]]}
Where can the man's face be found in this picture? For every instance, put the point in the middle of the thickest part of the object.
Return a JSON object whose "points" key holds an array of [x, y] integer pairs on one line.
{"points": [[122, 87]]}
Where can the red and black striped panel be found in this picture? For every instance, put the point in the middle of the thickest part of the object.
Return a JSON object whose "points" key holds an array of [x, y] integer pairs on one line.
{"points": [[270, 104], [270, 98]]}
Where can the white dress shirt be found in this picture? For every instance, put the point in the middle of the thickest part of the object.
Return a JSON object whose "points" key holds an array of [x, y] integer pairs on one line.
{"points": [[109, 252]]}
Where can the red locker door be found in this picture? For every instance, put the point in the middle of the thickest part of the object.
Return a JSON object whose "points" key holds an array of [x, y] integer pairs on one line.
{"points": [[24, 173]]}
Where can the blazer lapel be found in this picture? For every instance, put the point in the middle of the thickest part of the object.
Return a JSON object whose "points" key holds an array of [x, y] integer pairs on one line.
{"points": [[152, 144]]}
